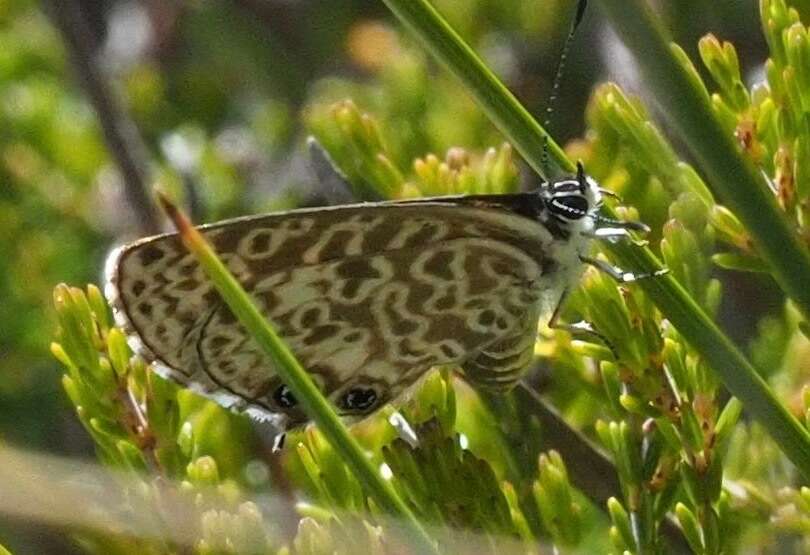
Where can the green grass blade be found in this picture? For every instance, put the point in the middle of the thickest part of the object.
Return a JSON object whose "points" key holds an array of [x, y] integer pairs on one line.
{"points": [[296, 378], [505, 111], [738, 375], [733, 178]]}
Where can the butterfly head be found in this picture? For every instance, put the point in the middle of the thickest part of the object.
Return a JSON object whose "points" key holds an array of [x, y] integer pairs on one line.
{"points": [[572, 203], [572, 206]]}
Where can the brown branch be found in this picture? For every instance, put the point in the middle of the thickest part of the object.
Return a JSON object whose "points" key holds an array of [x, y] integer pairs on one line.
{"points": [[588, 467], [120, 133], [530, 425]]}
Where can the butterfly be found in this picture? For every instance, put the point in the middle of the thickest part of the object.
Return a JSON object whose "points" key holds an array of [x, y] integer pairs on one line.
{"points": [[368, 296]]}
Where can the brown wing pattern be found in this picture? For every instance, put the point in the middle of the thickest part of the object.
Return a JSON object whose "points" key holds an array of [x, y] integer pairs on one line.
{"points": [[368, 297]]}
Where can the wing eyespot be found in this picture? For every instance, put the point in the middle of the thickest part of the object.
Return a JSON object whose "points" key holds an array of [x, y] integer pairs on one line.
{"points": [[284, 398], [359, 399]]}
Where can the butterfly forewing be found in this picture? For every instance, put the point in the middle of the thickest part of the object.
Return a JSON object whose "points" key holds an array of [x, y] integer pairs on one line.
{"points": [[368, 297]]}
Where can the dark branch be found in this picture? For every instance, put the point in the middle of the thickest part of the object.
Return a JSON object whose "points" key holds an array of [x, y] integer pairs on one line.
{"points": [[588, 467], [122, 137]]}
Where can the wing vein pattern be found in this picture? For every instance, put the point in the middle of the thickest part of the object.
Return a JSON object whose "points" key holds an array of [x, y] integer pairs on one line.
{"points": [[366, 296]]}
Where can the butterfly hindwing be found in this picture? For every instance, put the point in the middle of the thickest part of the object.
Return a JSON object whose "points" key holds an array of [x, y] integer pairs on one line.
{"points": [[368, 297]]}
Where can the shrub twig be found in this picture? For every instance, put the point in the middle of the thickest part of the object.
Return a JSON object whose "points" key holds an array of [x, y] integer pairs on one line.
{"points": [[121, 135]]}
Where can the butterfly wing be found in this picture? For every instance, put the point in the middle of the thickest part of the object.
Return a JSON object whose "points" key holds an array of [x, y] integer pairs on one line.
{"points": [[368, 297]]}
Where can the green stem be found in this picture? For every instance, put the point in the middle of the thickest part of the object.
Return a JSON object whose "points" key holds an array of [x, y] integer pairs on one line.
{"points": [[297, 379], [500, 105], [670, 297], [732, 177], [736, 372]]}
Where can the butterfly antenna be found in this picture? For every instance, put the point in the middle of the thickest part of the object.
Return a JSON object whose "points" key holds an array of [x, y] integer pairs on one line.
{"points": [[555, 87], [635, 226]]}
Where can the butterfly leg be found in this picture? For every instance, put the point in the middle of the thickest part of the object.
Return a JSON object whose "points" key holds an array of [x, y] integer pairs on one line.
{"points": [[578, 328], [617, 273], [586, 328], [615, 234], [278, 442]]}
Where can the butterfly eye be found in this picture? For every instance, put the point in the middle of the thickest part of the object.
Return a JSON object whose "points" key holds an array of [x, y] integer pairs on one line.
{"points": [[284, 397], [359, 399], [569, 206]]}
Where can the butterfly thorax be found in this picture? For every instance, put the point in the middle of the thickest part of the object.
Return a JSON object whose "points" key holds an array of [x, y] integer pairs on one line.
{"points": [[564, 213], [568, 209]]}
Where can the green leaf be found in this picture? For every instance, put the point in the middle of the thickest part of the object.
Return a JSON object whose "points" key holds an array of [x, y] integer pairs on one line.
{"points": [[740, 262], [621, 522], [691, 528]]}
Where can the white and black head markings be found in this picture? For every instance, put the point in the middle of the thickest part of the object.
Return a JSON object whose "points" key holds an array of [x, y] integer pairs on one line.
{"points": [[571, 205]]}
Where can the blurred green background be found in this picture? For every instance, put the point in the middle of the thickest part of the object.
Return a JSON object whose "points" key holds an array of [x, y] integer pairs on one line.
{"points": [[223, 94]]}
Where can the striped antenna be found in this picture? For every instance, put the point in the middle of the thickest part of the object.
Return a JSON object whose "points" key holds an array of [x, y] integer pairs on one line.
{"points": [[555, 88]]}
